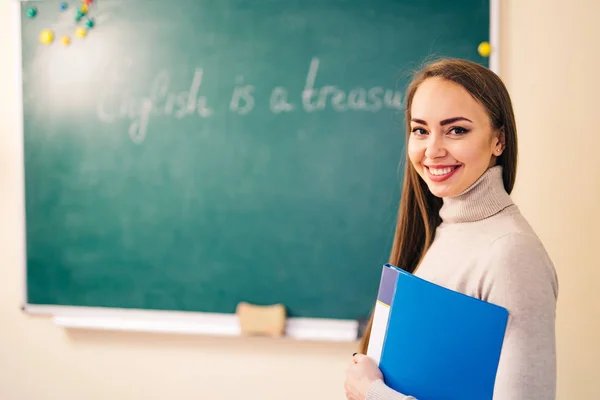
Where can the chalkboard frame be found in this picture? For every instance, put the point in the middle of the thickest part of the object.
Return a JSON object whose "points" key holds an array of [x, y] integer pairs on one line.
{"points": [[112, 319]]}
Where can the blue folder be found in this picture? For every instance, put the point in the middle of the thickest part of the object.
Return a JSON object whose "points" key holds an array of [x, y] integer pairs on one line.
{"points": [[440, 344]]}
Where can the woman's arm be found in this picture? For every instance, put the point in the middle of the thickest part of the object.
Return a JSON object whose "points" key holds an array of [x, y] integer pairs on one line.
{"points": [[380, 391], [522, 279]]}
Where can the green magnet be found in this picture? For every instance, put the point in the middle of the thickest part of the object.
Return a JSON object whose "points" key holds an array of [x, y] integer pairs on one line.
{"points": [[32, 12]]}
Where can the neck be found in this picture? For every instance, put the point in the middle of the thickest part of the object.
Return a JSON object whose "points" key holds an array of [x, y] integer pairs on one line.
{"points": [[484, 198]]}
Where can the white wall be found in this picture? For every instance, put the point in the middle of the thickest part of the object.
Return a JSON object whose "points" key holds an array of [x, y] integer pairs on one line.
{"points": [[544, 43]]}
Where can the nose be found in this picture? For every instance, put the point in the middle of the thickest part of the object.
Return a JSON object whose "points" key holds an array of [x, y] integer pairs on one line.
{"points": [[435, 147]]}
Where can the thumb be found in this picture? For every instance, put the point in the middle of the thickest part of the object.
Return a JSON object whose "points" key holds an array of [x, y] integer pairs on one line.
{"points": [[358, 357]]}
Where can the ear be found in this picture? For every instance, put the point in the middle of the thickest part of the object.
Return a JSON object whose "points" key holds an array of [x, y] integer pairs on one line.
{"points": [[499, 142]]}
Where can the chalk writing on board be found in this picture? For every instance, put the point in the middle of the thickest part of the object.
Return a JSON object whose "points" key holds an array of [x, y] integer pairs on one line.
{"points": [[373, 99], [163, 101], [242, 99], [279, 100]]}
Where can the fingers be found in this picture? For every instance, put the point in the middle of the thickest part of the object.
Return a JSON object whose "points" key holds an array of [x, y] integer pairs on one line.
{"points": [[358, 357]]}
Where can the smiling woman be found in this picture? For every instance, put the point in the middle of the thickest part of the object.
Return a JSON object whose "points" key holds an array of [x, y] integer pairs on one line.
{"points": [[458, 227], [451, 141]]}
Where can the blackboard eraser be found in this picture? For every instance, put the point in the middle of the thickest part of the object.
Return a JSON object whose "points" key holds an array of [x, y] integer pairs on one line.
{"points": [[261, 320]]}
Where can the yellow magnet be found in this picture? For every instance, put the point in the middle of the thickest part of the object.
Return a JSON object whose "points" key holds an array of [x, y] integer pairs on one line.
{"points": [[81, 32], [46, 36], [84, 8], [484, 49], [66, 40]]}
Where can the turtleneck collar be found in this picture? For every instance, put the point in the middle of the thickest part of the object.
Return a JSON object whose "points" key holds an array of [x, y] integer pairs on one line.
{"points": [[484, 198]]}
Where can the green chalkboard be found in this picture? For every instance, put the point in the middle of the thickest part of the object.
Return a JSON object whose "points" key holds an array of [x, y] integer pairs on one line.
{"points": [[188, 155]]}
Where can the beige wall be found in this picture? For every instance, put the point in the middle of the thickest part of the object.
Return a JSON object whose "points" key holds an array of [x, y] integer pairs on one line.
{"points": [[543, 43], [551, 66]]}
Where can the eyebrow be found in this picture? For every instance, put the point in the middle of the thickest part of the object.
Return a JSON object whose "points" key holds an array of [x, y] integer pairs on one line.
{"points": [[443, 122]]}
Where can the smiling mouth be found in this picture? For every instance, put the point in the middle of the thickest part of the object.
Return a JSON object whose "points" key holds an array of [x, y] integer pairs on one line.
{"points": [[441, 173]]}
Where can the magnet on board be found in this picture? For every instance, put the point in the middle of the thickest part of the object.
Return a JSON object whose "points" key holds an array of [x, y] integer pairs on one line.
{"points": [[81, 32], [484, 49], [46, 36]]}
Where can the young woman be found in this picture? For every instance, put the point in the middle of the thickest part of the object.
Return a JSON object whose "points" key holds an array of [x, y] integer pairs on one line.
{"points": [[458, 227]]}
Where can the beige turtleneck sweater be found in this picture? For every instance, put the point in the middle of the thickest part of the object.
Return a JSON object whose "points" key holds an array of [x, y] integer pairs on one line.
{"points": [[485, 248]]}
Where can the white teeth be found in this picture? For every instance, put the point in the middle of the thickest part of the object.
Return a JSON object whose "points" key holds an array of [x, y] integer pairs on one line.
{"points": [[440, 171]]}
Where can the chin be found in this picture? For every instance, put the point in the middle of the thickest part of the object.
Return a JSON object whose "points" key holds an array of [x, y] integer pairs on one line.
{"points": [[442, 192]]}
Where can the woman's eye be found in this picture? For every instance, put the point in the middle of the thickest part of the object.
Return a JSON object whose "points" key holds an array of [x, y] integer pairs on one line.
{"points": [[419, 131], [458, 130]]}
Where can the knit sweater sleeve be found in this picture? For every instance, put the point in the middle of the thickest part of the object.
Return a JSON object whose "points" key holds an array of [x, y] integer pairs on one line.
{"points": [[380, 391], [521, 278]]}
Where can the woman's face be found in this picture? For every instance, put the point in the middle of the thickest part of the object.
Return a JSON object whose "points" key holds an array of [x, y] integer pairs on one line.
{"points": [[451, 142]]}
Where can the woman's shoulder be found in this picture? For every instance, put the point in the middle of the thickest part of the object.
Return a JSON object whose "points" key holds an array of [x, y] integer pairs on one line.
{"points": [[513, 233], [508, 228], [517, 258]]}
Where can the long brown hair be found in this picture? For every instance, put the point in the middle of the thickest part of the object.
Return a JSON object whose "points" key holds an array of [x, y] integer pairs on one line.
{"points": [[418, 215]]}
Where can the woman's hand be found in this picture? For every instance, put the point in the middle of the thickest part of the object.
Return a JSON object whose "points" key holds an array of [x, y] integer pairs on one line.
{"points": [[361, 373]]}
